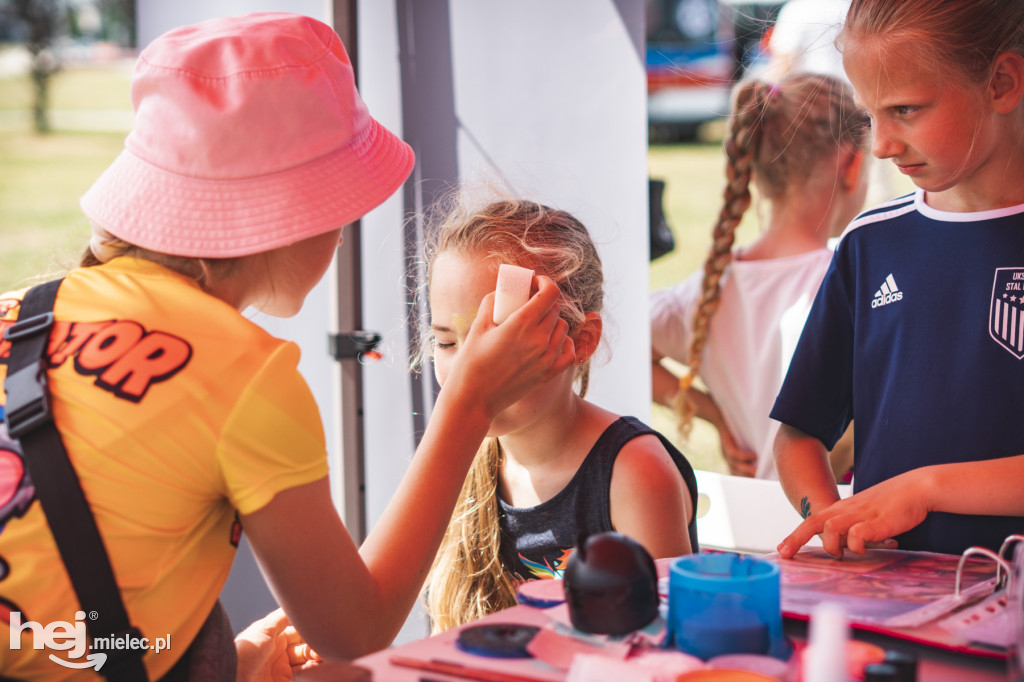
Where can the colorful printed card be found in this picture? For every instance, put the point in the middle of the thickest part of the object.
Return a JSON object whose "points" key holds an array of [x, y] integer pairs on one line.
{"points": [[911, 595]]}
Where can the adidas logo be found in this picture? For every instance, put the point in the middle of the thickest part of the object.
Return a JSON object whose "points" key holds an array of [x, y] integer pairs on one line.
{"points": [[887, 293]]}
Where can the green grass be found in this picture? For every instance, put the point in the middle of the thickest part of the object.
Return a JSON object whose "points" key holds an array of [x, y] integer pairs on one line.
{"points": [[82, 87], [41, 180], [694, 178], [43, 176]]}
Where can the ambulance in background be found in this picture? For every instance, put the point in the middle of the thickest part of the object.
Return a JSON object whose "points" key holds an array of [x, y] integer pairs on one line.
{"points": [[696, 51]]}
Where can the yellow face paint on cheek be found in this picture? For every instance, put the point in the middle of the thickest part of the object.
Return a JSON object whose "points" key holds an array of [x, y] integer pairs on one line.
{"points": [[462, 322]]}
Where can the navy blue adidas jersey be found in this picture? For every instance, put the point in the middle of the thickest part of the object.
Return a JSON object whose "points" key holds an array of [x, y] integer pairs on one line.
{"points": [[917, 332]]}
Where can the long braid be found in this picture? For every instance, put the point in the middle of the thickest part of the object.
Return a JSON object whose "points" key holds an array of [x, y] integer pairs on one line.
{"points": [[741, 147], [778, 134]]}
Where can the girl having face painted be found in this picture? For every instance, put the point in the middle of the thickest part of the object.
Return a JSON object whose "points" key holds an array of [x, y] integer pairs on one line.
{"points": [[554, 466]]}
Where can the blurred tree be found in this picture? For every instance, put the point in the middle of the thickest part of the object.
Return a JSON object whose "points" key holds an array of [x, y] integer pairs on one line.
{"points": [[71, 21], [42, 20], [118, 21]]}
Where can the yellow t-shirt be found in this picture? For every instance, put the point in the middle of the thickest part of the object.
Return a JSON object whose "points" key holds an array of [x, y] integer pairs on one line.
{"points": [[175, 411]]}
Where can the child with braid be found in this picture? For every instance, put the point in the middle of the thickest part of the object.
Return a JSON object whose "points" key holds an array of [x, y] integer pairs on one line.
{"points": [[554, 467], [735, 323]]}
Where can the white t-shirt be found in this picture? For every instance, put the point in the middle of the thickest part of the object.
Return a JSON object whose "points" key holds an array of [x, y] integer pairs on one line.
{"points": [[806, 30], [762, 310]]}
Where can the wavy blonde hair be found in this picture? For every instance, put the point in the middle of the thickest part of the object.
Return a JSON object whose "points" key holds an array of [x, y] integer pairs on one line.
{"points": [[467, 580], [778, 133]]}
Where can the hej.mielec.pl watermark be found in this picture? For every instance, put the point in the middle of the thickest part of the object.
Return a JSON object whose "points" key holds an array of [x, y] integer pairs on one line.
{"points": [[72, 637]]}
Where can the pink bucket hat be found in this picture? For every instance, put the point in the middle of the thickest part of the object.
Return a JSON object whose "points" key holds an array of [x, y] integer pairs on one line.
{"points": [[249, 135]]}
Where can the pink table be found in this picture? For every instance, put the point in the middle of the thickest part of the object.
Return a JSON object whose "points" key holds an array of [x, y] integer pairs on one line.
{"points": [[934, 665]]}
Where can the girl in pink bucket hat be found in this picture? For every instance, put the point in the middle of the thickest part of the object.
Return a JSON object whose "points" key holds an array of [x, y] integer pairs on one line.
{"points": [[183, 420]]}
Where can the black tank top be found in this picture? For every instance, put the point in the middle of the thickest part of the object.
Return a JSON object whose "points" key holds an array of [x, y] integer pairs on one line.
{"points": [[536, 542]]}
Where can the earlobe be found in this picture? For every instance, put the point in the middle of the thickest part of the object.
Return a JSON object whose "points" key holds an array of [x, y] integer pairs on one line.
{"points": [[851, 177], [588, 336], [1007, 84]]}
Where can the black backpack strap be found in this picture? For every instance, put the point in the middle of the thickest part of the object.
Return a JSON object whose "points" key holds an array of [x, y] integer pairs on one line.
{"points": [[30, 421]]}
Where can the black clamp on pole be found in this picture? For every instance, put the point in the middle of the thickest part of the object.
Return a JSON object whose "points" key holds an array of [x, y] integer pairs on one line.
{"points": [[355, 345]]}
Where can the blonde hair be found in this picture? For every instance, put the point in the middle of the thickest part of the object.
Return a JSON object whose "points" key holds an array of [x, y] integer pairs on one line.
{"points": [[104, 247], [778, 134], [467, 580], [961, 38], [205, 272]]}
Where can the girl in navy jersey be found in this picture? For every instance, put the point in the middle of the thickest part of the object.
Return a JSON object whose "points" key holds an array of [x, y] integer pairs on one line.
{"points": [[922, 305], [554, 466]]}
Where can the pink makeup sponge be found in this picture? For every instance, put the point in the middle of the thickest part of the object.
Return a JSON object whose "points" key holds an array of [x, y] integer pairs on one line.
{"points": [[513, 290]]}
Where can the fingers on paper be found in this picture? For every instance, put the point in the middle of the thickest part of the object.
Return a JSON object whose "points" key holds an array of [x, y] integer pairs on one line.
{"points": [[792, 543]]}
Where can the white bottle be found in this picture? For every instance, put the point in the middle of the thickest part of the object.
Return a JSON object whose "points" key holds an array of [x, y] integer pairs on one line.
{"points": [[825, 659]]}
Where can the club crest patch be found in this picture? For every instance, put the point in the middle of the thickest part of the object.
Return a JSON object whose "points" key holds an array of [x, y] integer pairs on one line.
{"points": [[1006, 314]]}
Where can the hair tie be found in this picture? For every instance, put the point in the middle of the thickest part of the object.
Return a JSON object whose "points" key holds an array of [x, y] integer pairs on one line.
{"points": [[773, 92], [103, 244]]}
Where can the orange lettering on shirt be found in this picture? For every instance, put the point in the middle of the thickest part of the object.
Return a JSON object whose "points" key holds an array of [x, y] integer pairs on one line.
{"points": [[8, 304], [125, 359], [58, 335], [66, 340], [107, 345], [5, 346], [155, 358]]}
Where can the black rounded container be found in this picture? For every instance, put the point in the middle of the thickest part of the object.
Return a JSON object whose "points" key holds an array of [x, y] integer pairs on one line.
{"points": [[611, 585]]}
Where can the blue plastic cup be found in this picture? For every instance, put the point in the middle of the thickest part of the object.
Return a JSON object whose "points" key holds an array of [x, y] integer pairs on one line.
{"points": [[723, 603]]}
